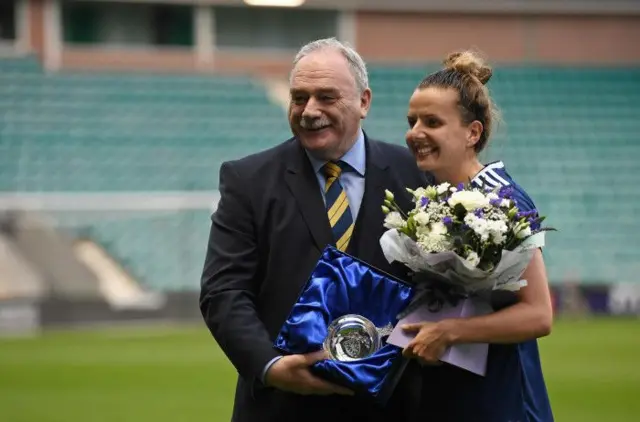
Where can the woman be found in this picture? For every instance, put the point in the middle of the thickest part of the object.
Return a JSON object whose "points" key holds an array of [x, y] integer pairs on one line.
{"points": [[450, 120]]}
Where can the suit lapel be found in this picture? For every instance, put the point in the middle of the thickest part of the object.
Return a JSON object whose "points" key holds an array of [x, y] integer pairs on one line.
{"points": [[303, 184]]}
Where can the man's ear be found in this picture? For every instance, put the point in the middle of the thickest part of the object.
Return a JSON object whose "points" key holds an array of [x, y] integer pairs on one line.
{"points": [[365, 102]]}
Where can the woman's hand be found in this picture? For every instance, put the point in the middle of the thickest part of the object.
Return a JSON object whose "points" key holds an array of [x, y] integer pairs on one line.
{"points": [[430, 342], [530, 318]]}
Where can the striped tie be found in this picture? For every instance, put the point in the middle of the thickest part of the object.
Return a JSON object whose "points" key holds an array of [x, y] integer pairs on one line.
{"points": [[338, 210]]}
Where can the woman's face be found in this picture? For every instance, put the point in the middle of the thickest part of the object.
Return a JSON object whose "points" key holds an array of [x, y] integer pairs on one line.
{"points": [[437, 136]]}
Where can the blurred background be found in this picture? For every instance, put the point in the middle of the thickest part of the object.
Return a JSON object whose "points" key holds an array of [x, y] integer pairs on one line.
{"points": [[115, 117]]}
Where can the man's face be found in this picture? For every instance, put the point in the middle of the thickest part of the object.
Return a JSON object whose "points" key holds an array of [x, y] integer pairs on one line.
{"points": [[325, 105]]}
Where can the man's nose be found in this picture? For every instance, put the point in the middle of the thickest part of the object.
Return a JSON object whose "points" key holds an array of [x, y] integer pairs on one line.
{"points": [[311, 109]]}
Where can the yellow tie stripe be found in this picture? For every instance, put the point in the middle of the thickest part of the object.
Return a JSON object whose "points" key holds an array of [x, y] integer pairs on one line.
{"points": [[343, 242], [338, 210], [332, 172]]}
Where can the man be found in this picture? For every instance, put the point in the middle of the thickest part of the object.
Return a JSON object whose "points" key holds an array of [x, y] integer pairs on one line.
{"points": [[274, 219]]}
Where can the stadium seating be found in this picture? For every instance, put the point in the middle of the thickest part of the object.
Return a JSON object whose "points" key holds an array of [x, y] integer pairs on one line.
{"points": [[568, 137], [103, 132], [87, 132], [164, 250]]}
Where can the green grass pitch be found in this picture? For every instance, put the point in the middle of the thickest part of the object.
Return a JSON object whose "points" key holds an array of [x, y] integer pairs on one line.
{"points": [[176, 374]]}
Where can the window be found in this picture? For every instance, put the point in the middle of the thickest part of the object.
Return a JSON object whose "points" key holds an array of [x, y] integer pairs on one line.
{"points": [[279, 28], [127, 24], [7, 21]]}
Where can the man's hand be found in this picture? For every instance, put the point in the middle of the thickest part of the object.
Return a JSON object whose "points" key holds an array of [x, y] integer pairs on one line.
{"points": [[291, 373]]}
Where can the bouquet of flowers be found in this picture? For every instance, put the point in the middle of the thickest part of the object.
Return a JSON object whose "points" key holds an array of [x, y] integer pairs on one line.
{"points": [[460, 243], [468, 240]]}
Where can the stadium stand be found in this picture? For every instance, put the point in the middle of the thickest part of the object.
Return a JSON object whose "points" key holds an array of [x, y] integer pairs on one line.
{"points": [[103, 132], [75, 132], [568, 138]]}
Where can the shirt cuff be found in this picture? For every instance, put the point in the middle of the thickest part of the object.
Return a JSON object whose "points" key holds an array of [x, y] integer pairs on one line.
{"points": [[266, 368]]}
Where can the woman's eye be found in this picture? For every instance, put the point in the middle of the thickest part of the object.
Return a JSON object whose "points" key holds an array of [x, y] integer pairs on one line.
{"points": [[432, 122]]}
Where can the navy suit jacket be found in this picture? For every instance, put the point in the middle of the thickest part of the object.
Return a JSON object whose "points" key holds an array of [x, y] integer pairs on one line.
{"points": [[266, 236]]}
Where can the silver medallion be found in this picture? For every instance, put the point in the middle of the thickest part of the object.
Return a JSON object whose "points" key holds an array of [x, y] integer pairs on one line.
{"points": [[353, 337]]}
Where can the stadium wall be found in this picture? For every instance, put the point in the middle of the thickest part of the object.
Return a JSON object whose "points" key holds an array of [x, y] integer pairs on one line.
{"points": [[381, 36], [512, 38]]}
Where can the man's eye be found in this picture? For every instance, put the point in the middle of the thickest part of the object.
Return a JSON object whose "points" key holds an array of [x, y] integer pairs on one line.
{"points": [[411, 121], [298, 99]]}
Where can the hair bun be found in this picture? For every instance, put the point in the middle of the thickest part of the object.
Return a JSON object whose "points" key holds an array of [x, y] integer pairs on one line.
{"points": [[470, 63]]}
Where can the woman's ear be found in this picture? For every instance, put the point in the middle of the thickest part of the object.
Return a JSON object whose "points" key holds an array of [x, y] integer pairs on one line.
{"points": [[474, 132]]}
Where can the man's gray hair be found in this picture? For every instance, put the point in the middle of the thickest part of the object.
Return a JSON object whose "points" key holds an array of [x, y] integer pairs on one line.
{"points": [[356, 64]]}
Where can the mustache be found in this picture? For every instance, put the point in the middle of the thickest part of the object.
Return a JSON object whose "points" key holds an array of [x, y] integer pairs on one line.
{"points": [[315, 123]]}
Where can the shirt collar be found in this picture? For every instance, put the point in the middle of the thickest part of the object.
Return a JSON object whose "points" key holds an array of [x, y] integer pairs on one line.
{"points": [[355, 157]]}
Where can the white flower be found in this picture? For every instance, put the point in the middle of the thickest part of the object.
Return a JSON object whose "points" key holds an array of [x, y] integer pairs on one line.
{"points": [[496, 214], [498, 239], [431, 192], [478, 225], [442, 188], [473, 258], [505, 203], [492, 195], [421, 218], [425, 228], [438, 229], [501, 226], [487, 229], [422, 230], [432, 237], [470, 200], [418, 193], [430, 243], [523, 232], [497, 230], [434, 206], [497, 226], [394, 220]]}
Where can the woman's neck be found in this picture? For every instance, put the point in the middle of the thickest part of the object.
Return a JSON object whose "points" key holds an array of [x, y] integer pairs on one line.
{"points": [[462, 174]]}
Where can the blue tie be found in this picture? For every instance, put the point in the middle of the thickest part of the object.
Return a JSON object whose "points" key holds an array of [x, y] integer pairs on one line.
{"points": [[338, 209]]}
